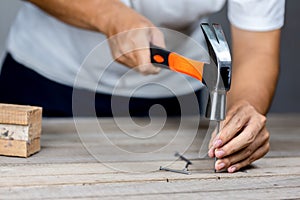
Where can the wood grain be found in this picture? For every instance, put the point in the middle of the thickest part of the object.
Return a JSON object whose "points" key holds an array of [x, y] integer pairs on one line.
{"points": [[19, 114], [244, 188], [64, 169], [19, 148]]}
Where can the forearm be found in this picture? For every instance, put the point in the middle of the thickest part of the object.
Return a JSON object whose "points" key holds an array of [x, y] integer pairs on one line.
{"points": [[88, 14], [132, 32], [255, 68]]}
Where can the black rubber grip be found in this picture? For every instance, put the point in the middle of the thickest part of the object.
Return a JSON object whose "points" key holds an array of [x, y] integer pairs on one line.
{"points": [[158, 51]]}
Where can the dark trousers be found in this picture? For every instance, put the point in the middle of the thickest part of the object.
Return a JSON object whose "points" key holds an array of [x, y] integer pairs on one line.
{"points": [[20, 85]]}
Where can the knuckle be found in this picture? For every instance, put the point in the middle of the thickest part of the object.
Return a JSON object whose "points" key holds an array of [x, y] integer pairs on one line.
{"points": [[263, 119], [221, 135], [144, 70], [258, 128], [239, 123], [248, 152], [251, 137], [266, 136], [229, 114], [228, 162], [260, 122]]}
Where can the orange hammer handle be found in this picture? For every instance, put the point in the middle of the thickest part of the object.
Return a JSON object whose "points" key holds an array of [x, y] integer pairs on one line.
{"points": [[176, 62]]}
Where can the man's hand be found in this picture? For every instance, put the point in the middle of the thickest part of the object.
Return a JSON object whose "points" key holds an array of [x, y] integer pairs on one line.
{"points": [[243, 137], [129, 36], [242, 140], [129, 32]]}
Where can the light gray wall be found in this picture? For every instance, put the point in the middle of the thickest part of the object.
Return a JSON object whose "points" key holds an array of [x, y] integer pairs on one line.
{"points": [[287, 98]]}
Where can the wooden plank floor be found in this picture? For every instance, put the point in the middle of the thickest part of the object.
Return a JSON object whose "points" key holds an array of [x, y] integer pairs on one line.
{"points": [[113, 159]]}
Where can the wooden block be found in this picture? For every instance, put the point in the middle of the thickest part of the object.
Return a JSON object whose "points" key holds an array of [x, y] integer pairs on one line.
{"points": [[19, 148], [18, 114], [20, 130]]}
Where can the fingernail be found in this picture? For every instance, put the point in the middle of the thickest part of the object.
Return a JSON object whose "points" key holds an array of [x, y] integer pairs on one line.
{"points": [[232, 169], [218, 143], [219, 153], [220, 166]]}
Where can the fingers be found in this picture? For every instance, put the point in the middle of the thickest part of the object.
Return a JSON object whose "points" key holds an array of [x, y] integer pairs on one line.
{"points": [[261, 144], [232, 126], [242, 119], [157, 37], [143, 55], [235, 121], [139, 60], [143, 62], [135, 53], [129, 42], [244, 139], [260, 152]]}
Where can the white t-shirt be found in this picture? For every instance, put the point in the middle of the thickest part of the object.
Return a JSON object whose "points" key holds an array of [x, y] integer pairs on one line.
{"points": [[81, 58]]}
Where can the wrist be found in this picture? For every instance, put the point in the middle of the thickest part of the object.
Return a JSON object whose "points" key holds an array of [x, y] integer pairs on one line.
{"points": [[115, 17], [107, 17], [257, 96], [261, 108]]}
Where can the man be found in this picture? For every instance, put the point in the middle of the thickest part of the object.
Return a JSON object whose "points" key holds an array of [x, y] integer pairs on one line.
{"points": [[53, 46]]}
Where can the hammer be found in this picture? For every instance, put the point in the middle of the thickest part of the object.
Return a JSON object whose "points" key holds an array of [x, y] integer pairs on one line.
{"points": [[216, 75]]}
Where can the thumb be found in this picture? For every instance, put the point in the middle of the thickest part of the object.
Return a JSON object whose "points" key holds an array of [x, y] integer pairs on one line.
{"points": [[157, 38], [145, 67]]}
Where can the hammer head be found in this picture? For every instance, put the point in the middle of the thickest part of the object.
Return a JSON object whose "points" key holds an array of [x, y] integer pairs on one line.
{"points": [[217, 75]]}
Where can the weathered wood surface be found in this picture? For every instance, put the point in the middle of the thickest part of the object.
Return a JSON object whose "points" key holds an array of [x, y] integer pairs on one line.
{"points": [[64, 169]]}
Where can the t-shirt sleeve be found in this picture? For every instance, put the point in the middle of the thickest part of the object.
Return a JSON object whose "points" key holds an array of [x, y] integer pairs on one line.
{"points": [[256, 15]]}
